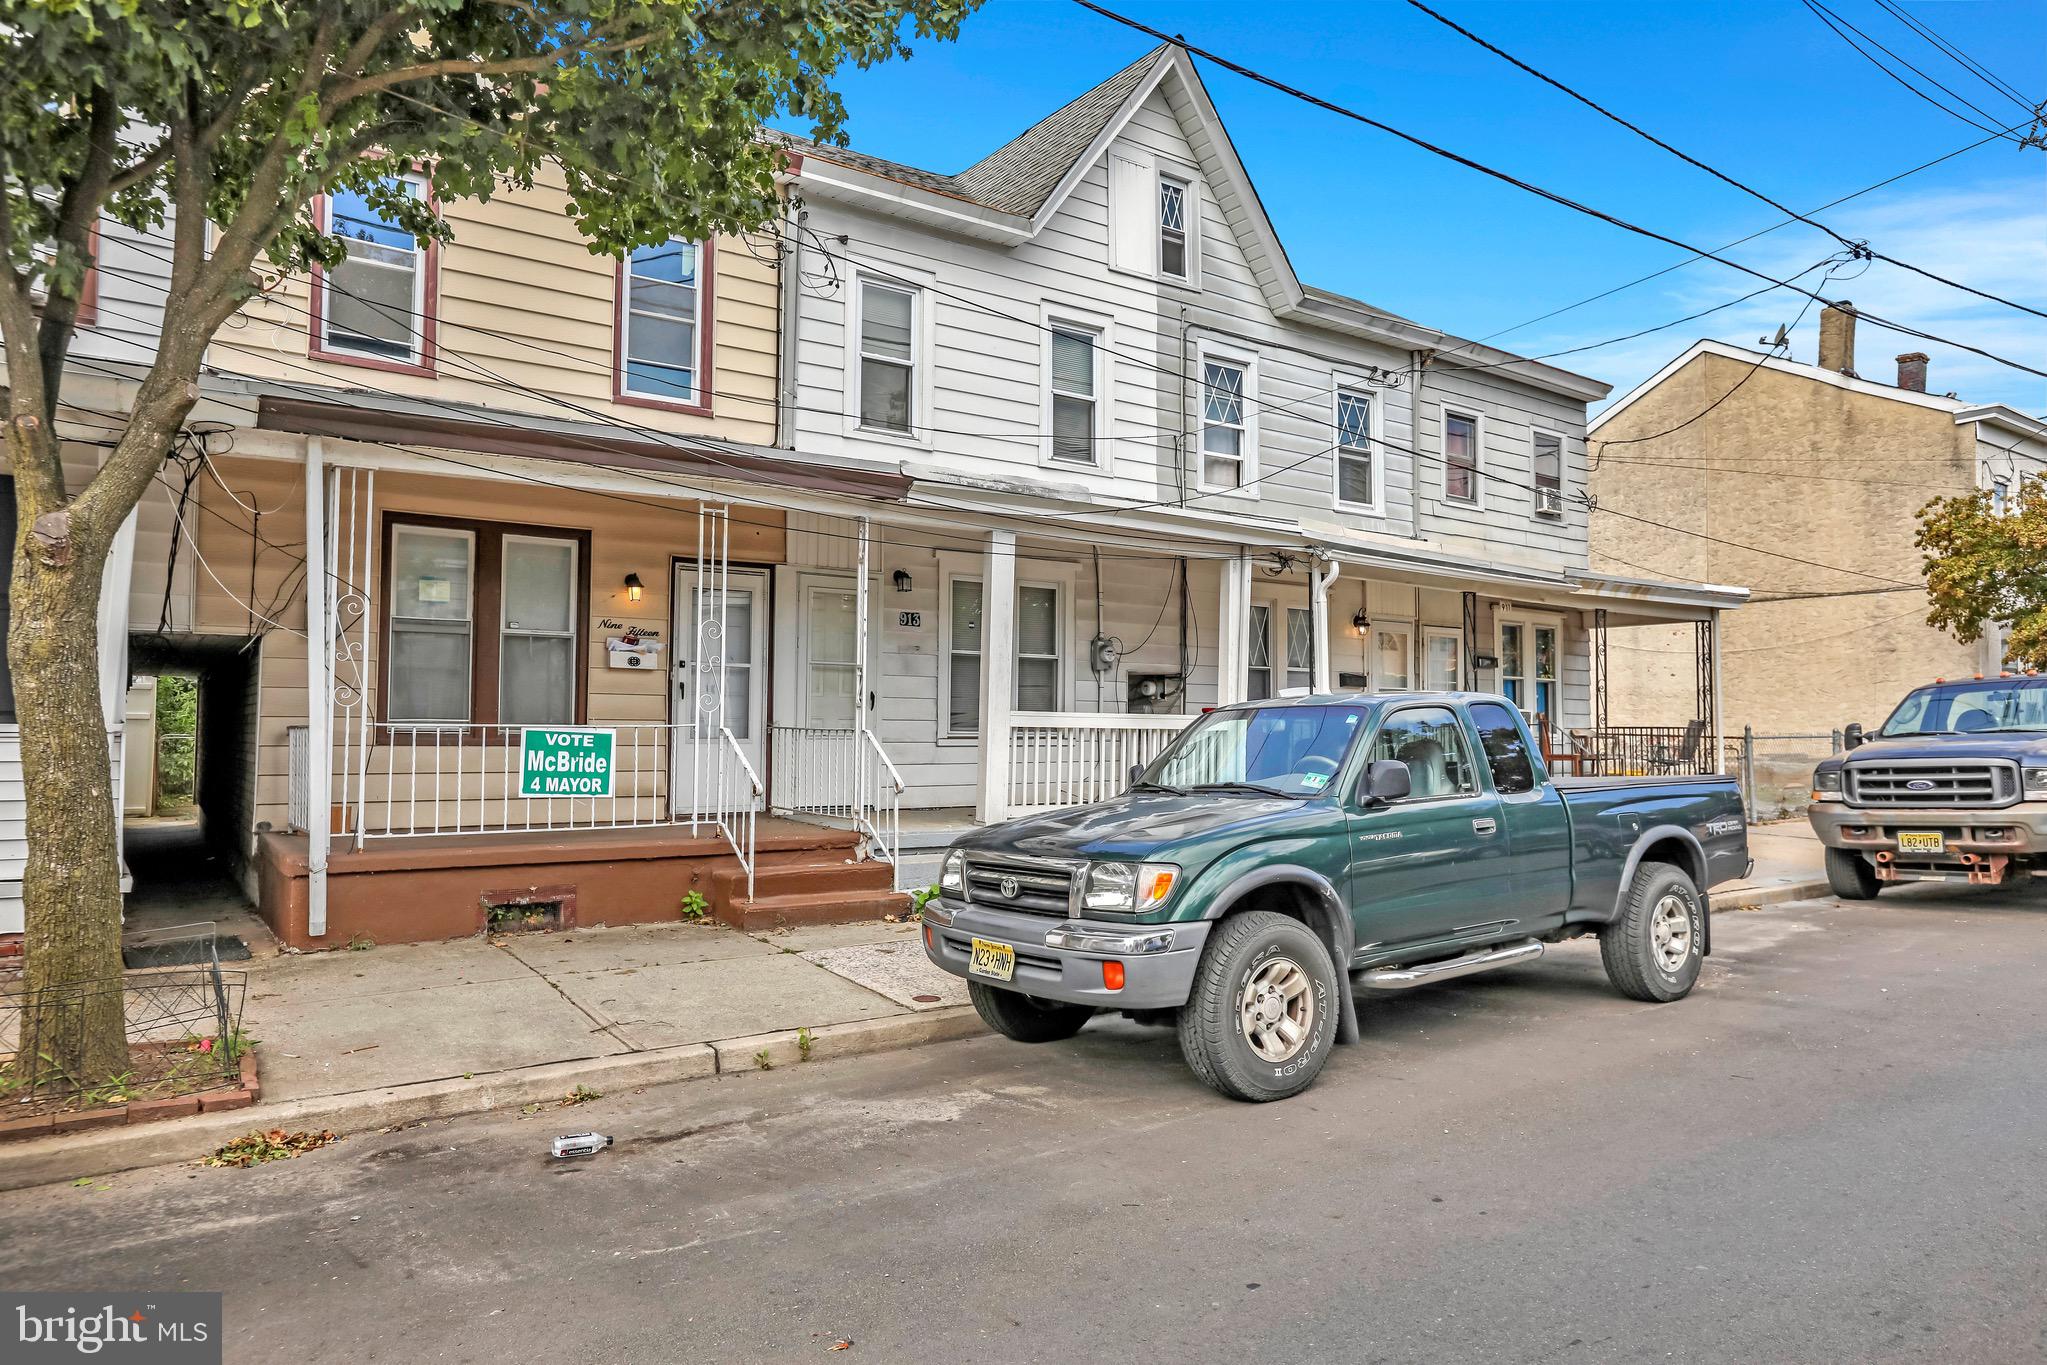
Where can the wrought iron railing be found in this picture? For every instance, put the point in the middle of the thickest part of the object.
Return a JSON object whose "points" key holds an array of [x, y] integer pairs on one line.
{"points": [[1637, 751]]}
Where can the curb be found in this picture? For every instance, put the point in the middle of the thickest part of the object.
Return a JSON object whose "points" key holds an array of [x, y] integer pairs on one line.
{"points": [[47, 1160], [1756, 897]]}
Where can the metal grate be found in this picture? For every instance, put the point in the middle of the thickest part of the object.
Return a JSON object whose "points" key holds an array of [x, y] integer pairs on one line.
{"points": [[1008, 884], [1933, 783]]}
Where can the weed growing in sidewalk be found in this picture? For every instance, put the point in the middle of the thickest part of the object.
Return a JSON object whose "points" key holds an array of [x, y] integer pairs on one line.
{"points": [[762, 1060], [804, 1038], [694, 906]]}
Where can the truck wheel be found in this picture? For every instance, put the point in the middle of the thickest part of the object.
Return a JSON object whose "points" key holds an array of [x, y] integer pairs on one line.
{"points": [[1654, 950], [1026, 1018], [1850, 876], [1262, 1016]]}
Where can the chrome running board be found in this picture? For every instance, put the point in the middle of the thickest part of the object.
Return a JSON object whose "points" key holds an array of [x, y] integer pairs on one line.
{"points": [[1426, 973]]}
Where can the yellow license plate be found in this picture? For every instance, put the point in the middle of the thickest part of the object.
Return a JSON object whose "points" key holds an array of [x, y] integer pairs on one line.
{"points": [[1921, 841], [996, 960]]}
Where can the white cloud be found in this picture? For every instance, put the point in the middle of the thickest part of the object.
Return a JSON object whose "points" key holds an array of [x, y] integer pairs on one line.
{"points": [[1992, 236]]}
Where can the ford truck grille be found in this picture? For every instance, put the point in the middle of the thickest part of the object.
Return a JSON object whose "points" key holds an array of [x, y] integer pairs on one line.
{"points": [[1933, 784], [1033, 888]]}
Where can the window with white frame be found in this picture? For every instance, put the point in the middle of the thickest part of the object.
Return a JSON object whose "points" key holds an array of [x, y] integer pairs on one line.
{"points": [[1460, 457], [432, 623], [1224, 431], [1442, 659], [1075, 400], [662, 320], [888, 356], [375, 300], [1354, 473], [2000, 496], [537, 638], [1549, 474], [1175, 204], [1039, 651], [1300, 647]]}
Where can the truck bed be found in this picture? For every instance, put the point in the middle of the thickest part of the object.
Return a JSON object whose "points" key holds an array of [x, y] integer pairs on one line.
{"points": [[1565, 784]]}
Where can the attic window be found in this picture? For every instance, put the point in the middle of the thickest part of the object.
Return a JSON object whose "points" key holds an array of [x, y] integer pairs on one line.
{"points": [[1172, 227]]}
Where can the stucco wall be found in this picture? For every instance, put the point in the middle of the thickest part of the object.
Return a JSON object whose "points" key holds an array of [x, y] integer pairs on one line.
{"points": [[1803, 468]]}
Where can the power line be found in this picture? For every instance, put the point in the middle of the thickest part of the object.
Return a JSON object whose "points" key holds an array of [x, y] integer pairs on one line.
{"points": [[1552, 196], [1967, 63], [1857, 247], [1842, 28]]}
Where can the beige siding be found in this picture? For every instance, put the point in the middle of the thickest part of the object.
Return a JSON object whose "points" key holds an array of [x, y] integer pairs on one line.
{"points": [[522, 304], [625, 537]]}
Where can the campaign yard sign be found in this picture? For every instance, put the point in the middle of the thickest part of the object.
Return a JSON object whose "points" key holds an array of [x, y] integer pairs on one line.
{"points": [[565, 760]]}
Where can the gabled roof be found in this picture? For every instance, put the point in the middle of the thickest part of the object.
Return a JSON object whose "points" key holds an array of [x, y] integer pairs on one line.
{"points": [[1705, 346], [1008, 196]]}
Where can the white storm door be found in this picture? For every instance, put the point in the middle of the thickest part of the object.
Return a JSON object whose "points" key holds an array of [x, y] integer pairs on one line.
{"points": [[728, 684]]}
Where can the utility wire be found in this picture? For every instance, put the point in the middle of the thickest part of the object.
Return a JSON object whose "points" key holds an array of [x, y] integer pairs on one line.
{"points": [[1842, 29], [1517, 182], [1856, 246], [1963, 59]]}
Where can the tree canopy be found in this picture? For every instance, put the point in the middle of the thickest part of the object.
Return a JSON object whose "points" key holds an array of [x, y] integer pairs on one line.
{"points": [[1987, 566]]}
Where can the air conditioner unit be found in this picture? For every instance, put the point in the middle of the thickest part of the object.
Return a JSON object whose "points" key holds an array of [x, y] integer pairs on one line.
{"points": [[1549, 502]]}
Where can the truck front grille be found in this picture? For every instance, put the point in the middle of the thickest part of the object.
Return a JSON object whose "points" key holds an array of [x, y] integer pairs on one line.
{"points": [[1933, 784], [1032, 888]]}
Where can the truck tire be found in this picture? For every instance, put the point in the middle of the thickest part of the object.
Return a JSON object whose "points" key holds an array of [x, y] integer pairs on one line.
{"points": [[1026, 1018], [1850, 876], [1654, 948], [1262, 1016]]}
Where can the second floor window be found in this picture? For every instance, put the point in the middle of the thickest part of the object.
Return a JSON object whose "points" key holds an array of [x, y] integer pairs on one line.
{"points": [[1460, 457], [2000, 497], [1222, 424], [1173, 209], [375, 301], [1073, 396], [661, 322], [1353, 448], [1549, 475], [888, 356]]}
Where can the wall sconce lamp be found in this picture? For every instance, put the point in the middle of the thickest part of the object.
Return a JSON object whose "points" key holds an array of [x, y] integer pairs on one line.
{"points": [[1360, 623], [901, 578], [633, 587]]}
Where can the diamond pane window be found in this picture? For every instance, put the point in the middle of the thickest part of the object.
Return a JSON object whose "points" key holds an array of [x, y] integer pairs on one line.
{"points": [[1172, 227], [1353, 448], [1222, 425]]}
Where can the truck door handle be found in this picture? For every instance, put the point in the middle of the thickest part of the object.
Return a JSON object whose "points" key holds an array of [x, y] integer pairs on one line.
{"points": [[1484, 826]]}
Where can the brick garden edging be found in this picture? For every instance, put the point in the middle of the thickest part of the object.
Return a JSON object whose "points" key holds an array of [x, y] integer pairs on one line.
{"points": [[245, 1093]]}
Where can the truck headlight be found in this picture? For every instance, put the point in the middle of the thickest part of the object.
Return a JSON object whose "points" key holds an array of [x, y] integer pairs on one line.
{"points": [[1128, 888], [1826, 785], [2036, 781], [953, 877]]}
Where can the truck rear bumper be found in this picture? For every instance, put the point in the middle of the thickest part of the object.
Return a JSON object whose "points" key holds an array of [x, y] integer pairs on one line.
{"points": [[2008, 830], [1158, 960]]}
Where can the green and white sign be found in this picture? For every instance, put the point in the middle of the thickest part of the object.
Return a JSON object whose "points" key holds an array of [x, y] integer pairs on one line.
{"points": [[565, 760]]}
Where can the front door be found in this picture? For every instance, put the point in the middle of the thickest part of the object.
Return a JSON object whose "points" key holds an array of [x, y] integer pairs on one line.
{"points": [[1529, 657], [1434, 866], [726, 684]]}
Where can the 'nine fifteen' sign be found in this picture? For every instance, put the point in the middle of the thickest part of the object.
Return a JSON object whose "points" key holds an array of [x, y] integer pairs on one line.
{"points": [[563, 760]]}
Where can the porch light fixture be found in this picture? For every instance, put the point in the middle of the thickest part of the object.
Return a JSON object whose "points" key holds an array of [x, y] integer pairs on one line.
{"points": [[901, 578], [633, 587], [1360, 623]]}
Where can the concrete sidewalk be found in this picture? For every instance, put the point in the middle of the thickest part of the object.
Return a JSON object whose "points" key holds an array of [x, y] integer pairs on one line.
{"points": [[1790, 866], [389, 1035]]}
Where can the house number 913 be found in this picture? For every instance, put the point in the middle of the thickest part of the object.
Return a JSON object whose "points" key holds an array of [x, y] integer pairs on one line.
{"points": [[912, 619]]}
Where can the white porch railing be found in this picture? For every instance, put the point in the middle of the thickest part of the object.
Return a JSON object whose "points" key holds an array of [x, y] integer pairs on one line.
{"points": [[1074, 758], [737, 824], [420, 780], [839, 774], [298, 791]]}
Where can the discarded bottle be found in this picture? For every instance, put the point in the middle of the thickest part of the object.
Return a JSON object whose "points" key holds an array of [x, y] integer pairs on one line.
{"points": [[580, 1144]]}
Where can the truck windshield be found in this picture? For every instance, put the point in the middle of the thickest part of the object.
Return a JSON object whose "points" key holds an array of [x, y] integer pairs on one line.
{"points": [[1985, 706], [1275, 751]]}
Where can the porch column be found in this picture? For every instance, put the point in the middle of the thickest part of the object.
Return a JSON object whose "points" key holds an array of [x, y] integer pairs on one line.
{"points": [[1719, 711], [1233, 632], [1318, 612], [860, 681], [319, 718], [998, 673]]}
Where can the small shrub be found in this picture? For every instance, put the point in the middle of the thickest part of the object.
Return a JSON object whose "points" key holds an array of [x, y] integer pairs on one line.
{"points": [[694, 906]]}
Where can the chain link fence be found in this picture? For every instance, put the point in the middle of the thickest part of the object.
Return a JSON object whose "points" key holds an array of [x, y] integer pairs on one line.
{"points": [[1775, 771]]}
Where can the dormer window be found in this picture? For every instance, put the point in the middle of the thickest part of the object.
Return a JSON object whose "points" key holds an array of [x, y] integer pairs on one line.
{"points": [[1173, 196]]}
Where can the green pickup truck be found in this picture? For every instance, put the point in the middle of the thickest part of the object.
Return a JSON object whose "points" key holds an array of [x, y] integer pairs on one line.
{"points": [[1403, 839]]}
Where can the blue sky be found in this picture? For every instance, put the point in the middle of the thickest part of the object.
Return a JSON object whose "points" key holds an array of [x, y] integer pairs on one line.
{"points": [[1762, 90]]}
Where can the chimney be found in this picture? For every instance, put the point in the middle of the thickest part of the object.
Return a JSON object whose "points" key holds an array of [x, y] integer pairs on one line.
{"points": [[1837, 337], [1912, 371]]}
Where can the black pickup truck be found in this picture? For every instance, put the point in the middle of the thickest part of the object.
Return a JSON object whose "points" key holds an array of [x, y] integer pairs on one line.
{"points": [[1952, 788], [1280, 852]]}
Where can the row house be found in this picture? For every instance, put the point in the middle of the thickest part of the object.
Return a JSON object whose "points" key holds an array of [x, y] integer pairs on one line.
{"points": [[523, 580]]}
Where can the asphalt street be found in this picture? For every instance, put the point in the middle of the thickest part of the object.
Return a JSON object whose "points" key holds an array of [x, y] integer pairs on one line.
{"points": [[1835, 1150]]}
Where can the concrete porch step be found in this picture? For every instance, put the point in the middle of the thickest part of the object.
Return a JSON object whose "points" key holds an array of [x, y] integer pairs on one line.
{"points": [[773, 880], [814, 907]]}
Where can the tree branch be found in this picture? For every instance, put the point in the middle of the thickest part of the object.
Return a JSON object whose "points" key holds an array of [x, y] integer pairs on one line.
{"points": [[77, 211], [426, 71]]}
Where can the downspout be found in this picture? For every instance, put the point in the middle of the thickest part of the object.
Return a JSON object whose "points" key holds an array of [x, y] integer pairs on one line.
{"points": [[1320, 581], [785, 351], [1186, 454], [319, 693], [1420, 360]]}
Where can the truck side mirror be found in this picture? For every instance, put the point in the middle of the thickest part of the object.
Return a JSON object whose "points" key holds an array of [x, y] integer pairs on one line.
{"points": [[1387, 779], [1851, 735]]}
